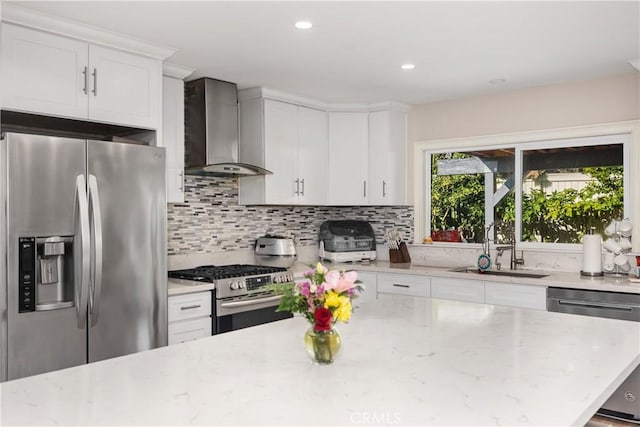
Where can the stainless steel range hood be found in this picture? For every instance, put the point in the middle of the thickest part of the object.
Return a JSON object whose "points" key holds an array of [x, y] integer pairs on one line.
{"points": [[211, 130]]}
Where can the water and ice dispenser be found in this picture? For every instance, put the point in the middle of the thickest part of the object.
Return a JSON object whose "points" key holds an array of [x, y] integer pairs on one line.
{"points": [[46, 273]]}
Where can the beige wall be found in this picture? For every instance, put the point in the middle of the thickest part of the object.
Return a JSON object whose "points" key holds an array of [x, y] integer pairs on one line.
{"points": [[604, 100]]}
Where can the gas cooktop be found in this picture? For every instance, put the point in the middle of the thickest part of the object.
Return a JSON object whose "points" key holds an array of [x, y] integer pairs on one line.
{"points": [[209, 273]]}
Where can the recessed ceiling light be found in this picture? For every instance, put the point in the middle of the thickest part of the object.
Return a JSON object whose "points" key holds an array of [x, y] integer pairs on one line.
{"points": [[407, 66], [303, 25], [497, 81], [635, 64]]}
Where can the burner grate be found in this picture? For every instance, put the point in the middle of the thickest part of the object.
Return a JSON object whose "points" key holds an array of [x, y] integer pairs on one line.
{"points": [[209, 273]]}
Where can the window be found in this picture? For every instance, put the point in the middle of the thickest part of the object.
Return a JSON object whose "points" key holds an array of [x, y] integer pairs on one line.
{"points": [[546, 191], [469, 191]]}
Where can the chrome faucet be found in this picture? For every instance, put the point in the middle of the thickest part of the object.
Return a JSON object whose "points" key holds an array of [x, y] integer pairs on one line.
{"points": [[515, 261]]}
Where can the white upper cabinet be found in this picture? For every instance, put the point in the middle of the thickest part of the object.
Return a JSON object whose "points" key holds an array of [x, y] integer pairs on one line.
{"points": [[312, 156], [173, 136], [280, 148], [53, 75], [348, 158], [43, 73], [291, 142], [125, 88], [387, 158]]}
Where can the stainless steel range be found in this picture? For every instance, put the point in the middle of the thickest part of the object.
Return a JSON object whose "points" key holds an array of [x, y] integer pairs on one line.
{"points": [[241, 295]]}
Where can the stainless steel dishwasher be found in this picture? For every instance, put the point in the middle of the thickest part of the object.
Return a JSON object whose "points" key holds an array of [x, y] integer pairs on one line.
{"points": [[624, 403]]}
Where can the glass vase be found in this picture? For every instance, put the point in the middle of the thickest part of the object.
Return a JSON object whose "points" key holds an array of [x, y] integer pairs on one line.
{"points": [[322, 346]]}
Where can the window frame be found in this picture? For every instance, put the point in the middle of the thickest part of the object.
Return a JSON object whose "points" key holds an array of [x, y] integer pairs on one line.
{"points": [[522, 141]]}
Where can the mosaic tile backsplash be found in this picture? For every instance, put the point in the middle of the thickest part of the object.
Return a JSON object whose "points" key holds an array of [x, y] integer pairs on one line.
{"points": [[210, 219]]}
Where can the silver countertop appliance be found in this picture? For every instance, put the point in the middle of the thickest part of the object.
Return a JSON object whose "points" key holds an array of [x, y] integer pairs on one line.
{"points": [[276, 251], [347, 241], [624, 403]]}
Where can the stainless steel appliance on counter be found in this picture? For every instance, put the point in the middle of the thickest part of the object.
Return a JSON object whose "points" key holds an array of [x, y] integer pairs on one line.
{"points": [[347, 241], [276, 251], [84, 238], [241, 296], [624, 403]]}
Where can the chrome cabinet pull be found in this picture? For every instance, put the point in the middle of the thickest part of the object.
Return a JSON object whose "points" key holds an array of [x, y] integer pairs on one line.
{"points": [[384, 189], [95, 82], [190, 307], [397, 285], [297, 186], [85, 73], [181, 175], [302, 182], [364, 192]]}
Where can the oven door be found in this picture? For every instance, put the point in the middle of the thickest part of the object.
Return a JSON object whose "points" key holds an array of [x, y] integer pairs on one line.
{"points": [[241, 312]]}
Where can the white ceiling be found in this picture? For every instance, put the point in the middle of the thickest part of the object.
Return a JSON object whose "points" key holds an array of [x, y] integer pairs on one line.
{"points": [[354, 51]]}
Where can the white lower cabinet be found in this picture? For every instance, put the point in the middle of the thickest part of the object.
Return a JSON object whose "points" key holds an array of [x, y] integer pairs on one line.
{"points": [[187, 330], [189, 317], [370, 283], [456, 289], [404, 284], [525, 296]]}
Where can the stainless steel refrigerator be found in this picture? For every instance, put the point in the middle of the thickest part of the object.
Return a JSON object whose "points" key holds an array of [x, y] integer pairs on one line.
{"points": [[82, 252]]}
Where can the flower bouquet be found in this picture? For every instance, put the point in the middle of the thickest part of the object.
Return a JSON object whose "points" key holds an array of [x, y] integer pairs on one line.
{"points": [[323, 297]]}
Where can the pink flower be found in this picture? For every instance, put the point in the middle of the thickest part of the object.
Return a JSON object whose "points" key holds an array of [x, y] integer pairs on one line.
{"points": [[338, 282], [304, 287], [331, 280]]}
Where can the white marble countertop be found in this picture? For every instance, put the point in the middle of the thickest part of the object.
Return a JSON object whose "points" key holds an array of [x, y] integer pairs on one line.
{"points": [[556, 278], [405, 361], [178, 287]]}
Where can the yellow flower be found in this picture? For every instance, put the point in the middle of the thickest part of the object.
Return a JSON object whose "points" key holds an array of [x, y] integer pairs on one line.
{"points": [[343, 312], [332, 300], [320, 268]]}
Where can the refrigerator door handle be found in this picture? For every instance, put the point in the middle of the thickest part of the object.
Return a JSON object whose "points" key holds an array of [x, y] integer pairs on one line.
{"points": [[85, 251], [96, 250]]}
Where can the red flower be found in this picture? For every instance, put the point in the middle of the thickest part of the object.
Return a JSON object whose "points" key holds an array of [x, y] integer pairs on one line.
{"points": [[322, 317]]}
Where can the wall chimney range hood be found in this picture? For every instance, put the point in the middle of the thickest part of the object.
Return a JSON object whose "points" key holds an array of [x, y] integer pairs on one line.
{"points": [[211, 130]]}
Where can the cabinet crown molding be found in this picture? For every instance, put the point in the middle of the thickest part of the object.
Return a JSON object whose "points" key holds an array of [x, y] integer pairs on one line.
{"points": [[176, 71], [263, 92], [69, 28]]}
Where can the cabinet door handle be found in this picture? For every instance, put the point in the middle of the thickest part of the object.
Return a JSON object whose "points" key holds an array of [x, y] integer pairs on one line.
{"points": [[384, 189], [190, 307], [85, 73], [364, 191], [95, 82], [302, 182], [181, 175], [397, 285], [297, 186]]}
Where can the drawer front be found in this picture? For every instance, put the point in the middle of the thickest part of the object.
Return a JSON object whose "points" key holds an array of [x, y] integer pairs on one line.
{"points": [[525, 296], [187, 330], [189, 306], [458, 290], [404, 284], [369, 281]]}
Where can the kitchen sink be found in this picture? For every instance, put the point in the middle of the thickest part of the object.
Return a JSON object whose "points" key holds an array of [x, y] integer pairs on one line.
{"points": [[513, 273]]}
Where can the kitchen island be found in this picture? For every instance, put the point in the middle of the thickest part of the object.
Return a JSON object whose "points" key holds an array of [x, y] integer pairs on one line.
{"points": [[405, 360]]}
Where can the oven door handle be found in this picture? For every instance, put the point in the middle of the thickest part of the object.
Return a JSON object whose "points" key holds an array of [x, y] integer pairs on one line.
{"points": [[252, 302]]}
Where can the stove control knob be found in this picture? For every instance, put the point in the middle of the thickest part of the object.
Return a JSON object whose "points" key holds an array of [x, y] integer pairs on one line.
{"points": [[243, 285], [234, 286]]}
